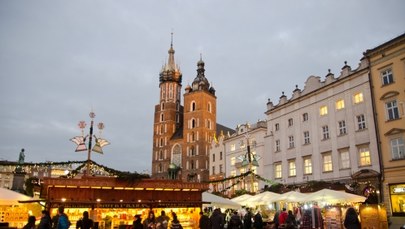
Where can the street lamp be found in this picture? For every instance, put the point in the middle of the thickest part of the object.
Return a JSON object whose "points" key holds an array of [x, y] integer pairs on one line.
{"points": [[81, 140]]}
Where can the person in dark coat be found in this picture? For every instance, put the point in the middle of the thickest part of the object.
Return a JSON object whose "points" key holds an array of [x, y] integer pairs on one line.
{"points": [[137, 224], [276, 222], [351, 219], [31, 223], [46, 221], [290, 221], [85, 222], [175, 224], [258, 221], [247, 220], [204, 222], [216, 219], [235, 221]]}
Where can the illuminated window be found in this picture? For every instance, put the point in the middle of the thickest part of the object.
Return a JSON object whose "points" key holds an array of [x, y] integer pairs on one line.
{"points": [[344, 159], [342, 127], [397, 148], [340, 104], [209, 107], [325, 132], [387, 77], [323, 110], [307, 166], [277, 171], [364, 155], [292, 169], [306, 137], [233, 147], [233, 173], [392, 110], [358, 98], [290, 141], [361, 122], [277, 145], [233, 160], [327, 163]]}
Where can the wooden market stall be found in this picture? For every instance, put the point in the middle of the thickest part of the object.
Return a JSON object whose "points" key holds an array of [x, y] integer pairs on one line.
{"points": [[113, 203]]}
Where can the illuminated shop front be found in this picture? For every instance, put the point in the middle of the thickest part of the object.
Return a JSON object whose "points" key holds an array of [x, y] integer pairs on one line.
{"points": [[397, 198], [113, 203]]}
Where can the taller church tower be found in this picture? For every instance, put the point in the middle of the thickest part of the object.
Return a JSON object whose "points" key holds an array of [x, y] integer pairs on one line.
{"points": [[182, 135]]}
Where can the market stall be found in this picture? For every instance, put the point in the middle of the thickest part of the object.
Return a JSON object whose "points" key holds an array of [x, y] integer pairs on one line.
{"points": [[112, 202], [12, 211], [212, 200]]}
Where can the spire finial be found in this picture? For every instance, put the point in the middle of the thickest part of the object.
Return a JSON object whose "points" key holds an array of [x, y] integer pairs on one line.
{"points": [[171, 42], [200, 56]]}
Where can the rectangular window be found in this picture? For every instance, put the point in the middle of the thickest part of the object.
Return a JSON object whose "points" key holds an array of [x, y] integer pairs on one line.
{"points": [[340, 104], [277, 145], [325, 132], [213, 170], [387, 77], [305, 117], [397, 148], [220, 156], [364, 155], [290, 141], [342, 127], [361, 122], [213, 157], [292, 169], [233, 173], [277, 172], [392, 110], [220, 169], [233, 160], [323, 110], [290, 122], [358, 98], [306, 137], [307, 166], [277, 126], [233, 147], [327, 163], [344, 159]]}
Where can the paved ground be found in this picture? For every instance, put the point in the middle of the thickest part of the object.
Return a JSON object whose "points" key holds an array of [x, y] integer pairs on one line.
{"points": [[397, 222]]}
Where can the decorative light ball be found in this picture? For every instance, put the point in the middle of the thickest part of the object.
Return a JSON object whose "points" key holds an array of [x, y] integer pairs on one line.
{"points": [[82, 124], [92, 114], [100, 126]]}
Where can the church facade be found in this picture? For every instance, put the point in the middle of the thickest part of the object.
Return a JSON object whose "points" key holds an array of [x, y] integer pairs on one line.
{"points": [[182, 134]]}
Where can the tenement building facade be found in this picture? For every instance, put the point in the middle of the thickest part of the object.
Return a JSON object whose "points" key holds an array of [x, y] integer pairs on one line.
{"points": [[325, 132], [182, 134], [387, 77]]}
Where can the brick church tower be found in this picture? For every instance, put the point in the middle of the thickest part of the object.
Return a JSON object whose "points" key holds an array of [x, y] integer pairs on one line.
{"points": [[182, 135]]}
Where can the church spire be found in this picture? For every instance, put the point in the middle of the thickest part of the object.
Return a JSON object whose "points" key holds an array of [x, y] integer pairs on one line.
{"points": [[171, 64], [170, 71]]}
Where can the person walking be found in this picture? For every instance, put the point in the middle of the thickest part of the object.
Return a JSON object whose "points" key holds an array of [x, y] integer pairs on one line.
{"points": [[258, 221], [85, 222], [216, 220], [63, 219], [290, 221], [351, 219], [247, 220], [150, 222], [235, 221], [162, 221], [46, 221], [137, 224], [276, 222], [283, 217], [31, 223], [204, 222]]}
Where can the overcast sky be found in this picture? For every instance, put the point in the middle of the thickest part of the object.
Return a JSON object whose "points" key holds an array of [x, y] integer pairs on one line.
{"points": [[61, 59]]}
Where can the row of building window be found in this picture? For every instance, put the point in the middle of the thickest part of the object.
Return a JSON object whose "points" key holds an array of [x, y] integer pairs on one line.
{"points": [[361, 125], [327, 163]]}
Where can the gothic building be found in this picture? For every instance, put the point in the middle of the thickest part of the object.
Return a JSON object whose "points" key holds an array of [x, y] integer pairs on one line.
{"points": [[182, 134]]}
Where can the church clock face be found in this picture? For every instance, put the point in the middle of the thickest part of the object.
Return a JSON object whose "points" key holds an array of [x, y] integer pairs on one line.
{"points": [[176, 157]]}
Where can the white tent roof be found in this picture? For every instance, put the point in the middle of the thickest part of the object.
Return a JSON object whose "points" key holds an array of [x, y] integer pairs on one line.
{"points": [[291, 196], [218, 201], [242, 200], [332, 196], [9, 197], [263, 198]]}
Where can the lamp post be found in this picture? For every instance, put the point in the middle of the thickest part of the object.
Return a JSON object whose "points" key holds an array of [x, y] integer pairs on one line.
{"points": [[81, 140], [249, 159]]}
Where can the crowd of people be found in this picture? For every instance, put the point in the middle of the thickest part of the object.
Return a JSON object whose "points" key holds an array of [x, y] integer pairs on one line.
{"points": [[310, 218]]}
